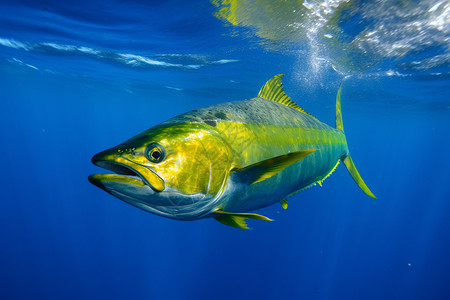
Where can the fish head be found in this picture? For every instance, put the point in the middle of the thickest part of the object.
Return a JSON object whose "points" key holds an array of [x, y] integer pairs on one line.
{"points": [[173, 170]]}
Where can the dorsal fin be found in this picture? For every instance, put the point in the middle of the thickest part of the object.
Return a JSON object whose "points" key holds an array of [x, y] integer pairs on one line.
{"points": [[273, 91]]}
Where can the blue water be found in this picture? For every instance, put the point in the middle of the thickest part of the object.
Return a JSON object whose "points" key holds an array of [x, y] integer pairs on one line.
{"points": [[80, 78]]}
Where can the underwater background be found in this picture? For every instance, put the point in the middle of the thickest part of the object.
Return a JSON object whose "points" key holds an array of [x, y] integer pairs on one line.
{"points": [[79, 77]]}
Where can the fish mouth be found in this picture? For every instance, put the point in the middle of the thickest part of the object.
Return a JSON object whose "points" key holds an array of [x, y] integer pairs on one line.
{"points": [[140, 186], [128, 175]]}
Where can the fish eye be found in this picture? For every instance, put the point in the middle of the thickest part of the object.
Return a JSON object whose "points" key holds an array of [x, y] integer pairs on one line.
{"points": [[155, 153]]}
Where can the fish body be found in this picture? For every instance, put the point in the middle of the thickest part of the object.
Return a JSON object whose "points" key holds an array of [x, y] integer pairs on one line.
{"points": [[226, 160], [258, 129]]}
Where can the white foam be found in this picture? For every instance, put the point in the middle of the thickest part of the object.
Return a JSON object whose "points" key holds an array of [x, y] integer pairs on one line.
{"points": [[193, 61], [194, 67], [13, 44], [174, 88], [60, 47], [89, 50], [31, 66], [399, 31], [19, 62], [138, 60], [225, 61]]}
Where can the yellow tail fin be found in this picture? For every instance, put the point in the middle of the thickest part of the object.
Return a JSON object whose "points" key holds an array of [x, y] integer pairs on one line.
{"points": [[339, 124], [347, 160]]}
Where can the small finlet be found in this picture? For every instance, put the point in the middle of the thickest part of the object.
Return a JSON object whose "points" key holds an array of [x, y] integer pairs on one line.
{"points": [[329, 173], [284, 203]]}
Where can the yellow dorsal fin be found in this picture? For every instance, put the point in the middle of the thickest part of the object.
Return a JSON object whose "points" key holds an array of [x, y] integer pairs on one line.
{"points": [[237, 219], [273, 91]]}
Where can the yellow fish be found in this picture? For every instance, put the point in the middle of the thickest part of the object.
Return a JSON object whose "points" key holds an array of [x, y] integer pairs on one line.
{"points": [[226, 160]]}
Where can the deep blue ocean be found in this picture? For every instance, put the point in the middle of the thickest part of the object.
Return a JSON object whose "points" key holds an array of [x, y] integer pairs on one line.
{"points": [[79, 77]]}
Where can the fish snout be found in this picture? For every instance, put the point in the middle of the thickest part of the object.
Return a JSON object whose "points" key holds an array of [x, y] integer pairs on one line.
{"points": [[112, 160]]}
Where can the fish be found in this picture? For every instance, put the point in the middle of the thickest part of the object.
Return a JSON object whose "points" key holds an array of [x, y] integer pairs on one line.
{"points": [[227, 160]]}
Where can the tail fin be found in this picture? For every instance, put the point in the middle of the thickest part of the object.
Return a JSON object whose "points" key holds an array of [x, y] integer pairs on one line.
{"points": [[347, 160]]}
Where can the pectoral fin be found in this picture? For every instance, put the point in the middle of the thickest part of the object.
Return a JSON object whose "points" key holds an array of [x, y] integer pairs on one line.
{"points": [[238, 219], [267, 168]]}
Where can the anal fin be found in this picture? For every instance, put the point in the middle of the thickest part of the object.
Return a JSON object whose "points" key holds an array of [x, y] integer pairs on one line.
{"points": [[238, 219]]}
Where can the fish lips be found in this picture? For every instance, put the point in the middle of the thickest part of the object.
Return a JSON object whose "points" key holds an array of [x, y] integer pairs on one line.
{"points": [[129, 175]]}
